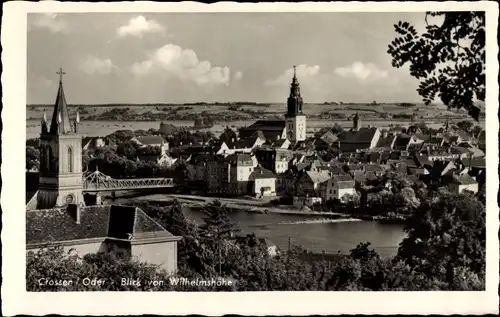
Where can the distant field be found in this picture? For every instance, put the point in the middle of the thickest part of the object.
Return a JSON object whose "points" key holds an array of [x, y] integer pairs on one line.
{"points": [[432, 111], [370, 114]]}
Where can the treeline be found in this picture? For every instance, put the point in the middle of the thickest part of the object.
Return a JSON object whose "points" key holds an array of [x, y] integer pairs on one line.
{"points": [[444, 250]]}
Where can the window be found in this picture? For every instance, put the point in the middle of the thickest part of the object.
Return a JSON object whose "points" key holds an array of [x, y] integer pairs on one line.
{"points": [[70, 160]]}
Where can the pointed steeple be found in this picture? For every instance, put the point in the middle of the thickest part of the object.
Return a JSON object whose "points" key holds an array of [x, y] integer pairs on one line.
{"points": [[294, 100], [44, 122], [60, 118]]}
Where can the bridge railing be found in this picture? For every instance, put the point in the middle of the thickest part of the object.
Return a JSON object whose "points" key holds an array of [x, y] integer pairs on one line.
{"points": [[100, 181]]}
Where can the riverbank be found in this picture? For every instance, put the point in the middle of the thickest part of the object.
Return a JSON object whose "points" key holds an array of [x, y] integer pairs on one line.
{"points": [[260, 207]]}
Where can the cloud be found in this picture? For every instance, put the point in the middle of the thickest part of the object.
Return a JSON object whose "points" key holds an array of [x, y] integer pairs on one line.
{"points": [[238, 75], [183, 64], [138, 26], [304, 73], [362, 71], [94, 65], [49, 21]]}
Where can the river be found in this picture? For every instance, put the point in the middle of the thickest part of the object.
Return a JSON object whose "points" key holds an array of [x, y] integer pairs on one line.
{"points": [[331, 235]]}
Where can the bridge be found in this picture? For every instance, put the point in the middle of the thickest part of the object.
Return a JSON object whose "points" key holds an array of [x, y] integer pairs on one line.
{"points": [[99, 182]]}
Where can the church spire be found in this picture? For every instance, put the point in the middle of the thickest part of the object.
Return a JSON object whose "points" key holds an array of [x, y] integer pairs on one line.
{"points": [[294, 100], [60, 118]]}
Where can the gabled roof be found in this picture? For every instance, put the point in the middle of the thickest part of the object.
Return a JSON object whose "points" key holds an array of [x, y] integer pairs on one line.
{"points": [[423, 160], [267, 125], [363, 135], [402, 140], [386, 142], [239, 158], [329, 137], [261, 173], [318, 177], [376, 168]]}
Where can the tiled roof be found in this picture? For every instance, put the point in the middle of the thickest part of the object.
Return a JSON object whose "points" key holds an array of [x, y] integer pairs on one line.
{"points": [[402, 140], [105, 221], [464, 180], [51, 225], [267, 125], [150, 139], [475, 162], [261, 173], [374, 168], [329, 137], [363, 135], [436, 140], [386, 142], [342, 178], [459, 150], [360, 177], [423, 160], [239, 158], [421, 136], [318, 177]]}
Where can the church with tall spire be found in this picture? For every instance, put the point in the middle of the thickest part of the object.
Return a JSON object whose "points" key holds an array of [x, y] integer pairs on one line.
{"points": [[295, 120], [60, 175], [293, 128]]}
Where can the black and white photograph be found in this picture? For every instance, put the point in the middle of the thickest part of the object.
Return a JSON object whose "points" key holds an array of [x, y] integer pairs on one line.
{"points": [[258, 151]]}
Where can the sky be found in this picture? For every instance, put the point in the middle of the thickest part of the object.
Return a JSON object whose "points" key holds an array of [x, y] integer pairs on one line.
{"points": [[194, 57]]}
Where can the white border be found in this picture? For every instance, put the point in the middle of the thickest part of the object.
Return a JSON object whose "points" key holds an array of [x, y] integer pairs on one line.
{"points": [[17, 301]]}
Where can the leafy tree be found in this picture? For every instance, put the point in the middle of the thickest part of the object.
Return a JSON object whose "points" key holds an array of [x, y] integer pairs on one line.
{"points": [[465, 125], [219, 227], [32, 158], [54, 264], [228, 135], [149, 151], [128, 149], [445, 234], [448, 58]]}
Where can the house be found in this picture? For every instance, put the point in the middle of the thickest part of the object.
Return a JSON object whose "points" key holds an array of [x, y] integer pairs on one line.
{"points": [[162, 159], [197, 166], [262, 182], [276, 160], [152, 140], [386, 141], [285, 183], [435, 141], [309, 183], [271, 129], [339, 187], [364, 138], [460, 183], [404, 141], [283, 144], [91, 143], [236, 169], [123, 230]]}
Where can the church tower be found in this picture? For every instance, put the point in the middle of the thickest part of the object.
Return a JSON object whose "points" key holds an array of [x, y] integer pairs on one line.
{"points": [[60, 177], [295, 120]]}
